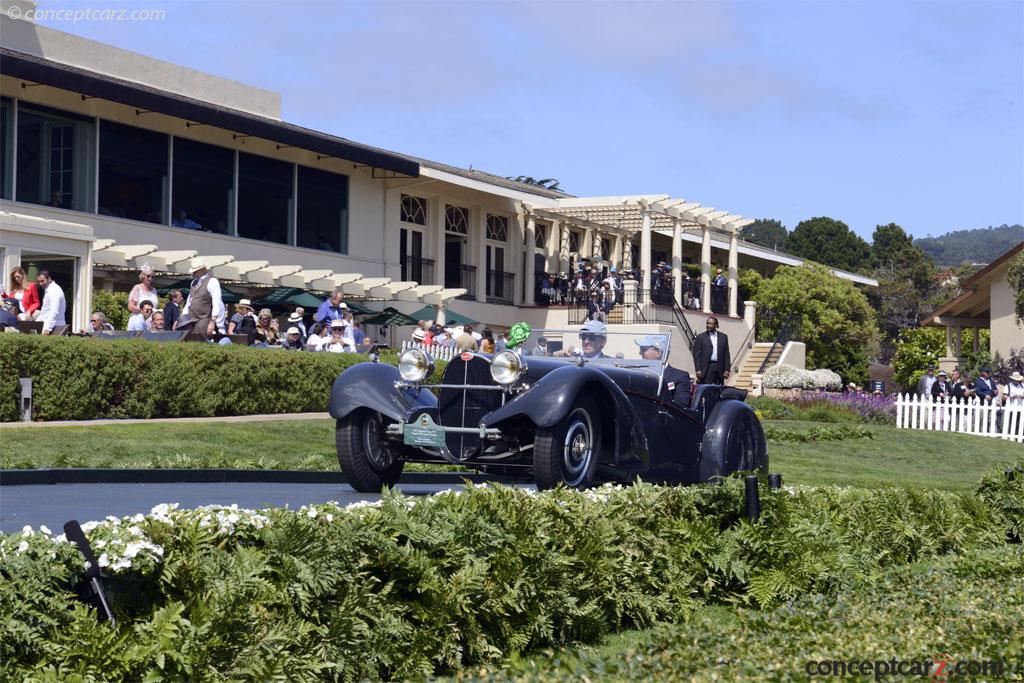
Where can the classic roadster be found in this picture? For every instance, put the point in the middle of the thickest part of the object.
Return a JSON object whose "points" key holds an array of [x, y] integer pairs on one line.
{"points": [[554, 409]]}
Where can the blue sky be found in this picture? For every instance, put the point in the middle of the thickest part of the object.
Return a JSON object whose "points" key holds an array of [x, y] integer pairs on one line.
{"points": [[869, 112]]}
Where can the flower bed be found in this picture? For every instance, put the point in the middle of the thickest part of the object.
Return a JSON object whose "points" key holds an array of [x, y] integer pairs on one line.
{"points": [[408, 587]]}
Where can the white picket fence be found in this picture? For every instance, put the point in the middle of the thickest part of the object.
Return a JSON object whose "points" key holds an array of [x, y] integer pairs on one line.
{"points": [[966, 416], [437, 352]]}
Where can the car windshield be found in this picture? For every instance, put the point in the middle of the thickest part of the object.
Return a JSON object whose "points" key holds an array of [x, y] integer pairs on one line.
{"points": [[638, 350]]}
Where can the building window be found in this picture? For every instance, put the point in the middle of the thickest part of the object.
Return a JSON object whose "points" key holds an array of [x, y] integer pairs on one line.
{"points": [[414, 210], [322, 210], [541, 239], [264, 198], [574, 242], [56, 157], [6, 147], [606, 249], [456, 219], [204, 187], [133, 172], [497, 228]]}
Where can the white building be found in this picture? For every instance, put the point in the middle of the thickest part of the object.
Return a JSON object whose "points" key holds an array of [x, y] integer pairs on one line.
{"points": [[109, 157]]}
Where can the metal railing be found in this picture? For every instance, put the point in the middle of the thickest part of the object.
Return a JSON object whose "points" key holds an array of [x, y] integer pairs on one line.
{"points": [[500, 287], [720, 299], [788, 330], [467, 275], [418, 269], [632, 307]]}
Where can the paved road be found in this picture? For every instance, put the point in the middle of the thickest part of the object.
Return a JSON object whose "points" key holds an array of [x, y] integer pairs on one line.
{"points": [[55, 504]]}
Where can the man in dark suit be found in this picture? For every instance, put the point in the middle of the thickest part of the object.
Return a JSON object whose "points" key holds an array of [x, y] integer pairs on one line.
{"points": [[985, 387], [711, 358], [941, 388], [675, 382]]}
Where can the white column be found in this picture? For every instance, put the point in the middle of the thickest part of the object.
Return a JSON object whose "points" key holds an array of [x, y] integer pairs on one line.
{"points": [[645, 251], [677, 260], [705, 270], [481, 255], [733, 275], [531, 238], [563, 247], [617, 252], [439, 216], [949, 341], [516, 248], [83, 309], [957, 336], [596, 250], [977, 340], [627, 254], [587, 248]]}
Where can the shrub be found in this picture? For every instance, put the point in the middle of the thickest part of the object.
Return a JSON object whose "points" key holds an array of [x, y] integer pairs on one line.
{"points": [[114, 305], [817, 434], [83, 379], [407, 587], [788, 377]]}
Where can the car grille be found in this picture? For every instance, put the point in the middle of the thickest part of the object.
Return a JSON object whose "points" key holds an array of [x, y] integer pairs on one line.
{"points": [[461, 408]]}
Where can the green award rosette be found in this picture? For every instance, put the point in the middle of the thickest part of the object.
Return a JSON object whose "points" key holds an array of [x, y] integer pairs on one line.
{"points": [[518, 334]]}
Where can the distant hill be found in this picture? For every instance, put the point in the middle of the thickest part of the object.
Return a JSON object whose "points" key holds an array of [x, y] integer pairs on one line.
{"points": [[981, 245]]}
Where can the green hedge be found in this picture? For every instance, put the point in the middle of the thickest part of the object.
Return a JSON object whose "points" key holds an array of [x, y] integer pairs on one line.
{"points": [[82, 379], [411, 587]]}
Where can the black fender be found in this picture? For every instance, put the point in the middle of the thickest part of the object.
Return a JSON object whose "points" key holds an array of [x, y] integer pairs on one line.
{"points": [[553, 396], [726, 417], [372, 385]]}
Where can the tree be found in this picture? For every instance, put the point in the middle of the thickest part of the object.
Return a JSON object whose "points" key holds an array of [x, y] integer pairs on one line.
{"points": [[838, 325], [767, 232], [907, 289], [826, 240]]}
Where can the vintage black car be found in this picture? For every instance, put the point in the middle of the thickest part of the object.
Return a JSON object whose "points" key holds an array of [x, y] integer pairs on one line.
{"points": [[556, 411]]}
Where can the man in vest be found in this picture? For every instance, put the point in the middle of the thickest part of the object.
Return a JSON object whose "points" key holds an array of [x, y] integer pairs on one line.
{"points": [[204, 307]]}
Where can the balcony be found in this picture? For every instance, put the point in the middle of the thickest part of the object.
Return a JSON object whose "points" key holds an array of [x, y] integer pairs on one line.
{"points": [[500, 287], [467, 281], [417, 269]]}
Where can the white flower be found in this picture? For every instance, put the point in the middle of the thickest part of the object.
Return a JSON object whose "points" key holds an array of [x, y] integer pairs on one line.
{"points": [[89, 526], [45, 529], [135, 531], [27, 530], [101, 544], [104, 560], [329, 517], [311, 513], [22, 547]]}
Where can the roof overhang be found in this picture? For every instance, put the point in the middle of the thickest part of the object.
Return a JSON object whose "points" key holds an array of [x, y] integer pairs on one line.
{"points": [[92, 84]]}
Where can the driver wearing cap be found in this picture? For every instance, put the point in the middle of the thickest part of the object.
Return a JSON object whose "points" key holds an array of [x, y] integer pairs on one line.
{"points": [[593, 337], [676, 382]]}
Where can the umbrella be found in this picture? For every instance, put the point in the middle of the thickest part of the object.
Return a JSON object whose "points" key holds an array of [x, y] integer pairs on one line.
{"points": [[288, 296], [357, 309], [450, 316], [226, 295], [390, 316]]}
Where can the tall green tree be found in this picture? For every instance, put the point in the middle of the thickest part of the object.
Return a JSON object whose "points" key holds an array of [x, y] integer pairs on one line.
{"points": [[767, 232], [907, 288], [838, 324], [826, 240]]}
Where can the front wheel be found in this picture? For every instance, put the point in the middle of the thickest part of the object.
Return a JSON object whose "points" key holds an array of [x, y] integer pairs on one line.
{"points": [[735, 442], [365, 456], [567, 453]]}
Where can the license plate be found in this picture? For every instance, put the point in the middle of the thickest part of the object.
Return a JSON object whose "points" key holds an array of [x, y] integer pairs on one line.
{"points": [[423, 432]]}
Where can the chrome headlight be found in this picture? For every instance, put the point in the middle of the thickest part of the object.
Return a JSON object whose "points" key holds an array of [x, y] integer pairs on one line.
{"points": [[415, 365], [507, 367]]}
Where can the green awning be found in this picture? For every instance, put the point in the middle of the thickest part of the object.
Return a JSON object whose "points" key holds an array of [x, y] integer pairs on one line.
{"points": [[450, 316], [288, 296], [226, 295], [390, 316]]}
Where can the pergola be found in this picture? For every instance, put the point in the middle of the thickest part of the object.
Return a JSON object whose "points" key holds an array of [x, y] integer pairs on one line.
{"points": [[109, 253], [624, 216]]}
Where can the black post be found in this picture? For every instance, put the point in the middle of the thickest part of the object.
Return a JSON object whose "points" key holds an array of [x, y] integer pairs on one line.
{"points": [[775, 481], [1011, 473], [753, 498], [73, 532]]}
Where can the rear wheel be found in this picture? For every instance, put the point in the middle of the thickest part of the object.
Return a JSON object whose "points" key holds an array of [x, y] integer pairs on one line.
{"points": [[742, 448], [369, 462], [567, 453]]}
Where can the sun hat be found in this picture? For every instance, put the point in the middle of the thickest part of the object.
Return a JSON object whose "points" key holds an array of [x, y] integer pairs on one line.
{"points": [[1017, 377], [197, 264], [293, 330], [942, 373], [655, 340], [244, 302], [295, 318], [337, 323]]}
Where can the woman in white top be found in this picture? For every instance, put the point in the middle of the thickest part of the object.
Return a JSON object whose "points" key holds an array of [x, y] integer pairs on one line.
{"points": [[1015, 390], [143, 291]]}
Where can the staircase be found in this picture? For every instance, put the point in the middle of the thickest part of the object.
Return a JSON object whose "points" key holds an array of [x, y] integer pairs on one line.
{"points": [[751, 364]]}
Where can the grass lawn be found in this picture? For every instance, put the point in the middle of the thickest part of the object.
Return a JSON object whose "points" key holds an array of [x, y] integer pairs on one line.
{"points": [[893, 457]]}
